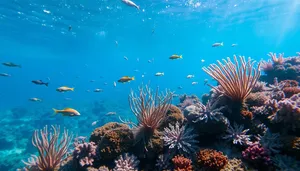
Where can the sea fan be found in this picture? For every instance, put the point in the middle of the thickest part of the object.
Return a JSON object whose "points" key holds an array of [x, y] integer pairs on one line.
{"points": [[126, 162], [181, 138], [208, 112], [238, 135], [270, 141]]}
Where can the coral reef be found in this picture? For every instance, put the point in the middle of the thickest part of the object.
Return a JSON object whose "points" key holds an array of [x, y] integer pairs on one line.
{"points": [[173, 115], [112, 140], [180, 138], [85, 152], [282, 68], [182, 164], [234, 165], [211, 159], [257, 155], [237, 135], [126, 162]]}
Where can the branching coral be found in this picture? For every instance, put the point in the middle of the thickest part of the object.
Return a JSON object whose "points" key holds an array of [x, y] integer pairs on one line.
{"points": [[182, 164], [126, 162], [51, 146], [255, 153], [270, 141], [211, 159], [150, 109], [180, 138], [237, 135], [85, 152], [237, 80]]}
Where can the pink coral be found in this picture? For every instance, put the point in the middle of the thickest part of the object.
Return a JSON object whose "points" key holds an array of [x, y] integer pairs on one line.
{"points": [[256, 154], [85, 153]]}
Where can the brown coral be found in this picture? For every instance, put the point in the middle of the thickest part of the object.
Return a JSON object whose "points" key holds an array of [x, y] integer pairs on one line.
{"points": [[211, 159], [112, 139], [173, 115], [182, 164]]}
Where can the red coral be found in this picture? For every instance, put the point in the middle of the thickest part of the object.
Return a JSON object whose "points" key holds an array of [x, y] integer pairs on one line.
{"points": [[182, 164], [211, 159]]}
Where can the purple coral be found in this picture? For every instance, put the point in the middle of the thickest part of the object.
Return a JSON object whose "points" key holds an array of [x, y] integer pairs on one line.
{"points": [[257, 154], [85, 153], [126, 162], [181, 138], [238, 135]]}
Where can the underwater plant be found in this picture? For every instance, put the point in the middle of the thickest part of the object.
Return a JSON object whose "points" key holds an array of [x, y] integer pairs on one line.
{"points": [[52, 148], [180, 138], [238, 135], [126, 162], [236, 80], [150, 108]]}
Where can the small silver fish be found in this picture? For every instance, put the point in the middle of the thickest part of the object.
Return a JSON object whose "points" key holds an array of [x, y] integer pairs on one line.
{"points": [[159, 74], [125, 58], [115, 84], [94, 123], [5, 75], [190, 76], [180, 87], [92, 81], [218, 44], [194, 83], [98, 90], [130, 3], [234, 45]]}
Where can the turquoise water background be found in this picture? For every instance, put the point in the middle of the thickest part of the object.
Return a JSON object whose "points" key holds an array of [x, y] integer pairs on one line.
{"points": [[35, 34]]}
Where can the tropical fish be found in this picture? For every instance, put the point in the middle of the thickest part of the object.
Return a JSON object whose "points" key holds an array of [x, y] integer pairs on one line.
{"points": [[5, 75], [98, 90], [70, 28], [234, 45], [125, 79], [194, 83], [176, 57], [39, 82], [159, 74], [190, 76], [34, 99], [10, 64], [130, 3], [64, 88], [67, 112], [92, 81], [218, 44]]}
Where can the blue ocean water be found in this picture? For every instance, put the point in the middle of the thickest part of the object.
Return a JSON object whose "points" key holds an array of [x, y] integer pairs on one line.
{"points": [[71, 42]]}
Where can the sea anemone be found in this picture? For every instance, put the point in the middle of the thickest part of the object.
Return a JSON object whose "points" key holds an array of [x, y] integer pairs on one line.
{"points": [[126, 162], [150, 109], [180, 138], [211, 159], [237, 135], [237, 81], [208, 112], [182, 164], [270, 141]]}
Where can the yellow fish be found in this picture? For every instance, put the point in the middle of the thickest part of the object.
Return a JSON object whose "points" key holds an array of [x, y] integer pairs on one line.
{"points": [[64, 88], [176, 57], [67, 112], [125, 79]]}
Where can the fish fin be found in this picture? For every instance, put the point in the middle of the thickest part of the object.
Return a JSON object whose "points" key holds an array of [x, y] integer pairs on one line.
{"points": [[72, 89], [132, 78], [67, 108], [162, 73], [180, 56], [138, 7], [47, 84], [55, 111], [222, 44]]}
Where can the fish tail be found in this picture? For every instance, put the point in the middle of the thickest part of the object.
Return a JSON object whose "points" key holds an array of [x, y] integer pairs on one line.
{"points": [[47, 84], [20, 66], [55, 111], [72, 89], [222, 44], [138, 7], [132, 78], [180, 56], [162, 73]]}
